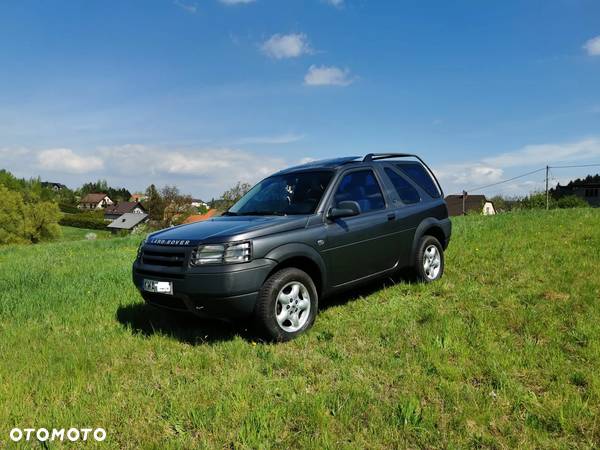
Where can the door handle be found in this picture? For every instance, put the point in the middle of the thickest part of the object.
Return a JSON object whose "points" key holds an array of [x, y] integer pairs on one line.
{"points": [[391, 216]]}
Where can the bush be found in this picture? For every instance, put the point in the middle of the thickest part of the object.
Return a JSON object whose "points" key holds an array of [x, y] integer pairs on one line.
{"points": [[70, 209], [82, 221], [571, 201], [23, 223], [41, 221], [12, 217]]}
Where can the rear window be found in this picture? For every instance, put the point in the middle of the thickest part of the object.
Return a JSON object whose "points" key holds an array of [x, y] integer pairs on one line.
{"points": [[406, 192], [419, 175]]}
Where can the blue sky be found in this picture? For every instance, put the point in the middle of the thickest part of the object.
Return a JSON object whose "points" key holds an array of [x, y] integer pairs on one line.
{"points": [[203, 93]]}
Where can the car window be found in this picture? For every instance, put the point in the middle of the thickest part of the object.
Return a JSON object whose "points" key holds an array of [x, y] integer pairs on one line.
{"points": [[407, 193], [419, 175], [293, 193], [362, 187]]}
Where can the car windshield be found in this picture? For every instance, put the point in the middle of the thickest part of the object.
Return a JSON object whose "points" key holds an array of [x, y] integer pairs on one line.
{"points": [[291, 193]]}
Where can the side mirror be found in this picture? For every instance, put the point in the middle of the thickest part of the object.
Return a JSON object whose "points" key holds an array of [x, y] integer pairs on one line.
{"points": [[348, 208]]}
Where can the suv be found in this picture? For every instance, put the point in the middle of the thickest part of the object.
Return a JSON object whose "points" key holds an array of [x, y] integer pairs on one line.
{"points": [[298, 236]]}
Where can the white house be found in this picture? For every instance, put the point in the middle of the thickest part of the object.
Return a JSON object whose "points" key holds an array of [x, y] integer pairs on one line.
{"points": [[95, 201]]}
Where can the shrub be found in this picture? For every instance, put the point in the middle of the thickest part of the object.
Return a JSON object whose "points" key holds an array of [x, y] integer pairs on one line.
{"points": [[41, 221], [22, 223], [571, 201], [82, 221], [70, 209], [12, 211]]}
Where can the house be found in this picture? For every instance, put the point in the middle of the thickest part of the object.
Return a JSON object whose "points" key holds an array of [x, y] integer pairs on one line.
{"points": [[472, 204], [127, 221], [197, 203], [137, 197], [201, 217], [588, 189], [118, 209], [54, 186], [93, 201]]}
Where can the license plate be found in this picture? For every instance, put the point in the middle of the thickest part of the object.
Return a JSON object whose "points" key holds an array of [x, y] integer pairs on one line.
{"points": [[159, 287]]}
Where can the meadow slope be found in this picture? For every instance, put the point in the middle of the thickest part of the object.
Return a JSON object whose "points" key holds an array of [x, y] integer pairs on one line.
{"points": [[503, 352]]}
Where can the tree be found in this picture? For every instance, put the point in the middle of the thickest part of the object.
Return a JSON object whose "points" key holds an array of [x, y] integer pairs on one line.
{"points": [[11, 217], [22, 222], [115, 194], [231, 196], [154, 203], [41, 221], [177, 207]]}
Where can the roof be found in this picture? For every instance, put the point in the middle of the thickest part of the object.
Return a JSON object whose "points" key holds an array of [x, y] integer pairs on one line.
{"points": [[201, 217], [53, 184], [127, 221], [96, 197], [472, 203], [323, 164], [123, 207]]}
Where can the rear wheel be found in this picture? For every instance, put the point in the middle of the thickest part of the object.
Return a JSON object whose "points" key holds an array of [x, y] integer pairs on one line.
{"points": [[429, 259], [287, 304]]}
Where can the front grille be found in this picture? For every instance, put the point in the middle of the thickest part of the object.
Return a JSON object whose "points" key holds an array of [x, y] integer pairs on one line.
{"points": [[163, 257]]}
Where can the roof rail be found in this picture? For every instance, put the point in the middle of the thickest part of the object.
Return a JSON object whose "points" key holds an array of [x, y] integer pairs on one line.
{"points": [[375, 156]]}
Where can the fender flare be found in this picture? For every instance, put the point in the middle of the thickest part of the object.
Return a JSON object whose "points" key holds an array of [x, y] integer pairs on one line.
{"points": [[292, 250], [426, 224]]}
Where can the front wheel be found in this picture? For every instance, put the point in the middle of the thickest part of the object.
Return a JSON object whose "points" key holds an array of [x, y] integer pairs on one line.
{"points": [[429, 259], [287, 304]]}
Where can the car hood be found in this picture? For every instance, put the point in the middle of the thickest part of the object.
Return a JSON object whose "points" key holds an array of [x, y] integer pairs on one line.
{"points": [[226, 228]]}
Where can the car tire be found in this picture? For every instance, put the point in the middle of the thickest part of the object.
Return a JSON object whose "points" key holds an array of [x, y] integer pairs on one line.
{"points": [[287, 305], [429, 259]]}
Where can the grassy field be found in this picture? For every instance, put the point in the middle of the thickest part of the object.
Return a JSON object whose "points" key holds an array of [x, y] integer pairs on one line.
{"points": [[77, 234], [503, 352]]}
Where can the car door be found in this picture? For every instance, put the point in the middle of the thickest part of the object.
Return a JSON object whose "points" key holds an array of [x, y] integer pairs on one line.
{"points": [[408, 206], [362, 245]]}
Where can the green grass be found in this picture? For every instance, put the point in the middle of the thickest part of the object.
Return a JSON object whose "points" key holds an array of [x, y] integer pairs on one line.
{"points": [[503, 352], [77, 234]]}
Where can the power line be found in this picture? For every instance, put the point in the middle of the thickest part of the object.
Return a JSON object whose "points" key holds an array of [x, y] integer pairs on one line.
{"points": [[506, 181], [531, 173], [571, 167]]}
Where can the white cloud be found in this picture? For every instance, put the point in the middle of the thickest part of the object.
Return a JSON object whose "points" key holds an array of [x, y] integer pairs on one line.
{"points": [[327, 76], [336, 3], [192, 8], [456, 177], [593, 46], [281, 46], [219, 167], [542, 154], [66, 160], [236, 2]]}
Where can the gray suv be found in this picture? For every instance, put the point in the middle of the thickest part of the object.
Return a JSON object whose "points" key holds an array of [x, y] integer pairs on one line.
{"points": [[299, 236]]}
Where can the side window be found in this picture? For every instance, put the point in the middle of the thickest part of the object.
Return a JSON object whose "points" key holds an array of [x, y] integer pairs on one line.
{"points": [[406, 192], [419, 175], [362, 187]]}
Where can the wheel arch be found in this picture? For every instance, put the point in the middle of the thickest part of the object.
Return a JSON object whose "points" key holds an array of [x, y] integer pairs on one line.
{"points": [[432, 227], [303, 257]]}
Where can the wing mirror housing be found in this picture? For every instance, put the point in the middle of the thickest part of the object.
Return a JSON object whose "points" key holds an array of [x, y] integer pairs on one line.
{"points": [[347, 208]]}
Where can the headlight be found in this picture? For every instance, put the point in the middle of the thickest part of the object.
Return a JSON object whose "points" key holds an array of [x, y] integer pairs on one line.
{"points": [[139, 250], [235, 252]]}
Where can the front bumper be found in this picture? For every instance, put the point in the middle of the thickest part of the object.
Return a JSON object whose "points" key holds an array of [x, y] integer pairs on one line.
{"points": [[228, 291]]}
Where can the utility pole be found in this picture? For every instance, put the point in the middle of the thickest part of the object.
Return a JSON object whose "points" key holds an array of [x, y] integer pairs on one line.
{"points": [[464, 199], [547, 192]]}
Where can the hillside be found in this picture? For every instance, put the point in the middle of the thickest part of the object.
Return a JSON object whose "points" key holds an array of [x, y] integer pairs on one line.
{"points": [[503, 352]]}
